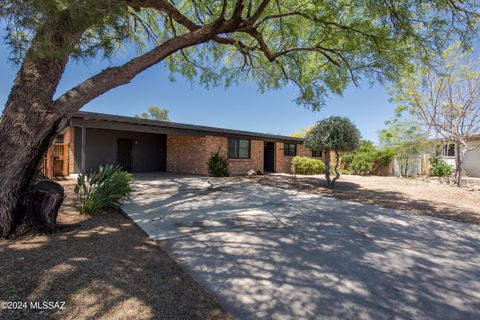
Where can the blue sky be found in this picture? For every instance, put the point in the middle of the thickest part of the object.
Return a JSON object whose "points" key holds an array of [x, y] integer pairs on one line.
{"points": [[239, 107]]}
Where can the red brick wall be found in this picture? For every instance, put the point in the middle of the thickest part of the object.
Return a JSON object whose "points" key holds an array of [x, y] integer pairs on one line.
{"points": [[186, 154], [237, 166], [282, 163]]}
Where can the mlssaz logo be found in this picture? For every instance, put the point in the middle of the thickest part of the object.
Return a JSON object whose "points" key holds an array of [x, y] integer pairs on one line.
{"points": [[47, 305]]}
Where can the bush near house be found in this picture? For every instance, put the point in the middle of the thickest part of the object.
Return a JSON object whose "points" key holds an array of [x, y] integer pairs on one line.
{"points": [[439, 167], [218, 165], [305, 165], [101, 189], [367, 159]]}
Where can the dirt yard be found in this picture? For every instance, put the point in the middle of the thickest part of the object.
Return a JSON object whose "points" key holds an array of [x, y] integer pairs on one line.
{"points": [[102, 267], [412, 195]]}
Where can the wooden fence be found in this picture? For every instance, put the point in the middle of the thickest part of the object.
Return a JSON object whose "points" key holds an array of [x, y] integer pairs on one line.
{"points": [[55, 162]]}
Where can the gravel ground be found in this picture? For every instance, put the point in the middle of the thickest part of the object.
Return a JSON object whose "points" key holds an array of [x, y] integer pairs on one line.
{"points": [[102, 267], [412, 195]]}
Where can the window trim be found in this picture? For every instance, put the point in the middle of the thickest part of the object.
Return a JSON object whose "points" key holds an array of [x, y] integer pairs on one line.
{"points": [[237, 156], [288, 154]]}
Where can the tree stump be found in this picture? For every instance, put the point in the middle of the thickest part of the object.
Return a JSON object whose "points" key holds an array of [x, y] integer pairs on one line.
{"points": [[40, 207]]}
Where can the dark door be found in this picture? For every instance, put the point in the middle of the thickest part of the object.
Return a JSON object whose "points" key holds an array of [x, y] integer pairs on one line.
{"points": [[124, 154], [269, 156]]}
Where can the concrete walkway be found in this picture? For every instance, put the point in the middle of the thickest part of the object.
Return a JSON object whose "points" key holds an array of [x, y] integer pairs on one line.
{"points": [[269, 253]]}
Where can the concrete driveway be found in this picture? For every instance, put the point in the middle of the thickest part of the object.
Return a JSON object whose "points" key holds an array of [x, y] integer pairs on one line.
{"points": [[269, 253]]}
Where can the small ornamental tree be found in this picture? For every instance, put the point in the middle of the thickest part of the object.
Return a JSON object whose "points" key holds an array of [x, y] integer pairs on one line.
{"points": [[334, 134]]}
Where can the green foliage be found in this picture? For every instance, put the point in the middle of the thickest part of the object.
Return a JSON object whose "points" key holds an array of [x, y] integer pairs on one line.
{"points": [[385, 156], [406, 138], [101, 189], [154, 113], [362, 160], [444, 97], [367, 158], [306, 165], [218, 165], [439, 167], [319, 46], [259, 173], [335, 134]]}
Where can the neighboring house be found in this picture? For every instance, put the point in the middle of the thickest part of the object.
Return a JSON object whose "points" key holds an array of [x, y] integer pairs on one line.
{"points": [[141, 145], [420, 165], [471, 160]]}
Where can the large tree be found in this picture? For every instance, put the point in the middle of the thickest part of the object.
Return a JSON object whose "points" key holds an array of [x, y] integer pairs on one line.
{"points": [[445, 97], [318, 45]]}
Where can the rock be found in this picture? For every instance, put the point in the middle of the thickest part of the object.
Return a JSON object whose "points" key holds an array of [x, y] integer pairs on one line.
{"points": [[251, 173]]}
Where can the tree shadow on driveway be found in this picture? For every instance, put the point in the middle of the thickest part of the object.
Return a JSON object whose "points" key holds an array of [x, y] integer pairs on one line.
{"points": [[305, 256], [388, 199]]}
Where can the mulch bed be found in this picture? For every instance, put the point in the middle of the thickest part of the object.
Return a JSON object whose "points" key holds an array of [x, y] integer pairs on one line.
{"points": [[102, 267]]}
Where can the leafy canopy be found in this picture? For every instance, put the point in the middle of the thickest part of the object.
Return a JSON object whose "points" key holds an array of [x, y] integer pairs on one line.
{"points": [[335, 134], [318, 45], [406, 137], [444, 97]]}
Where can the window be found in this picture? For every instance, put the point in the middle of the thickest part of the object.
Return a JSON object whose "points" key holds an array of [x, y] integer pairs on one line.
{"points": [[316, 153], [449, 150], [238, 148], [290, 149]]}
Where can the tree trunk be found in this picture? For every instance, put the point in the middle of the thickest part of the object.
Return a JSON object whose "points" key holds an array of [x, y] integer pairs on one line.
{"points": [[327, 168], [40, 206], [337, 174], [31, 119], [29, 125], [458, 163]]}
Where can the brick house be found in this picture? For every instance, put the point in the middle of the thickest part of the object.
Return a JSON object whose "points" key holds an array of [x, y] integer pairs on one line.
{"points": [[141, 145]]}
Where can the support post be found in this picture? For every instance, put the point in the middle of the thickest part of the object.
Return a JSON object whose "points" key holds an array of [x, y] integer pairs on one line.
{"points": [[84, 138]]}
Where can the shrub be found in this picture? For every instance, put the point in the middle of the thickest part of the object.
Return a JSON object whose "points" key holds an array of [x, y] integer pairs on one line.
{"points": [[385, 156], [366, 159], [101, 189], [305, 165], [362, 160], [218, 165], [439, 168]]}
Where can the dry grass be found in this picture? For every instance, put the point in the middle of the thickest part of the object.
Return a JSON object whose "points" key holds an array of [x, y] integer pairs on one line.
{"points": [[103, 267], [412, 195]]}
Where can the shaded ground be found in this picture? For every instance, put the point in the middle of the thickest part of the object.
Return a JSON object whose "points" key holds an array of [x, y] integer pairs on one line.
{"points": [[275, 253], [103, 268], [415, 196]]}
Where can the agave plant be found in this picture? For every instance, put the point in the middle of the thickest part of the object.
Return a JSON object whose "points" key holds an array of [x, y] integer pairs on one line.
{"points": [[101, 189]]}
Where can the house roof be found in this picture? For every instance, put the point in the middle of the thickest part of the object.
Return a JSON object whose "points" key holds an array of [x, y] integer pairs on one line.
{"points": [[82, 117]]}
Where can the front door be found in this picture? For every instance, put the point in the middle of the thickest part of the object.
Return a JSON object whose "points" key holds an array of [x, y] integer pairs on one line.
{"points": [[268, 156], [124, 154]]}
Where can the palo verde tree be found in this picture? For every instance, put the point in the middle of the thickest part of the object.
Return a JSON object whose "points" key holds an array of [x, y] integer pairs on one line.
{"points": [[334, 134], [406, 137], [319, 46], [445, 97], [154, 113]]}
